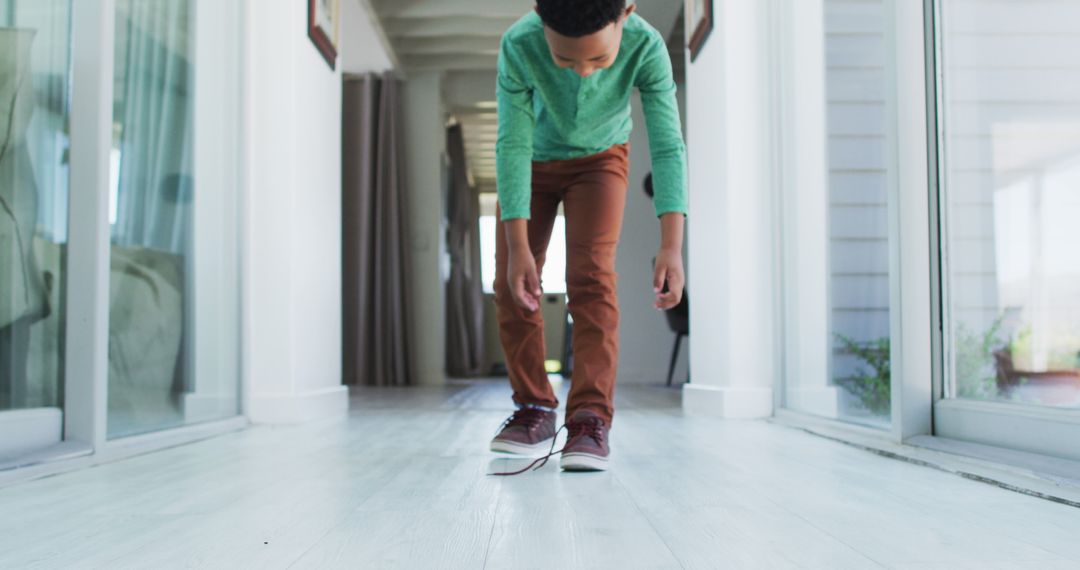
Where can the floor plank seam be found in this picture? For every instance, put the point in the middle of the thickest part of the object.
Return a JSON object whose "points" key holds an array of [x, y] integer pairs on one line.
{"points": [[494, 524], [649, 520], [827, 533], [340, 520]]}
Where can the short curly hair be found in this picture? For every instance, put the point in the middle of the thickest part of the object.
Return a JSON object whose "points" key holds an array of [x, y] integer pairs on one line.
{"points": [[578, 18]]}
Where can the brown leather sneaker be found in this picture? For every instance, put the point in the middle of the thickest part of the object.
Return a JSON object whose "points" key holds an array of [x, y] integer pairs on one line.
{"points": [[586, 446], [528, 432]]}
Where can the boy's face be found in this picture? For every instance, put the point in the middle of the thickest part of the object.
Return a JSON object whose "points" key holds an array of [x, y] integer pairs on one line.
{"points": [[587, 54]]}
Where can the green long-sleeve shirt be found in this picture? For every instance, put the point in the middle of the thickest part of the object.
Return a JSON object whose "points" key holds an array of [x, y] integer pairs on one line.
{"points": [[551, 113]]}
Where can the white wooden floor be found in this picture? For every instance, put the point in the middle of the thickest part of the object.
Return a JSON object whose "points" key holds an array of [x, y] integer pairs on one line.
{"points": [[401, 483]]}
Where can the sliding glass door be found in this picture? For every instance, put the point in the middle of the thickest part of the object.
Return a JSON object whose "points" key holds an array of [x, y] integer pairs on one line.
{"points": [[147, 260], [1009, 137], [174, 271], [35, 53]]}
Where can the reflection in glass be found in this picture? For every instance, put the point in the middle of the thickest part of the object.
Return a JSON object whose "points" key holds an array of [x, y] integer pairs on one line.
{"points": [[1011, 201], [860, 142], [34, 61], [836, 230], [173, 336]]}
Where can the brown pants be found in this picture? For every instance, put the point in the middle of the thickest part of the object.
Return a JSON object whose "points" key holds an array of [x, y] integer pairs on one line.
{"points": [[593, 193]]}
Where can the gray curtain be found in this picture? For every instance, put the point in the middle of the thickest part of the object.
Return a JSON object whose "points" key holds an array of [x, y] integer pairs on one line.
{"points": [[464, 290], [374, 232]]}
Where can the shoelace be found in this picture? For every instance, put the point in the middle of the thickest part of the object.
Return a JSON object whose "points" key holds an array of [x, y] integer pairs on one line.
{"points": [[593, 428], [587, 428], [525, 417]]}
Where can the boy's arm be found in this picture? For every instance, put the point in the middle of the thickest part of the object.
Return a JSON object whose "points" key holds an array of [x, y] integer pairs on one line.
{"points": [[656, 82], [513, 174], [514, 146], [668, 274]]}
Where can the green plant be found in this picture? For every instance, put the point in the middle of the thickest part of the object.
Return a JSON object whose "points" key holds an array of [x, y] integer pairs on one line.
{"points": [[872, 384], [976, 371]]}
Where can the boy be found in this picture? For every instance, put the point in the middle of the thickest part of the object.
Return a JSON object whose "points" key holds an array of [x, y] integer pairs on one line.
{"points": [[566, 73]]}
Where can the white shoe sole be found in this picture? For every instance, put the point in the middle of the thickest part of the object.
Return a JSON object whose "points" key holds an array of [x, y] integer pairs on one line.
{"points": [[535, 450], [583, 462]]}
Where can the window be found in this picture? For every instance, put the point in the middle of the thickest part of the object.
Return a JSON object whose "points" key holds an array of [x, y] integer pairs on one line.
{"points": [[35, 55], [839, 169], [1009, 138], [1011, 191], [174, 320]]}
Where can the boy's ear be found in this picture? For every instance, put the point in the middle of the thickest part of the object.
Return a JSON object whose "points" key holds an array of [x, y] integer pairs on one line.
{"points": [[630, 10]]}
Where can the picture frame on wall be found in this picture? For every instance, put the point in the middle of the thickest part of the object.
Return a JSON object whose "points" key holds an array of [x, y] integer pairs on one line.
{"points": [[699, 23], [323, 26]]}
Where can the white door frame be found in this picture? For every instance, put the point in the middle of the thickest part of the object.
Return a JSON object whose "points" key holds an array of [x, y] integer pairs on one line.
{"points": [[87, 336], [911, 285]]}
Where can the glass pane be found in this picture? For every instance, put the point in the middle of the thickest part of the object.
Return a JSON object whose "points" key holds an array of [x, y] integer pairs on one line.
{"points": [[173, 332], [1011, 200], [837, 237], [35, 51]]}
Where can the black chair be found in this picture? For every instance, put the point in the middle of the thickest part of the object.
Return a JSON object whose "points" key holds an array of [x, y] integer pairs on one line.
{"points": [[678, 319]]}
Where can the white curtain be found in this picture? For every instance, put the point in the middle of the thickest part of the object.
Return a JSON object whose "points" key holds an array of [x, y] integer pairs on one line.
{"points": [[154, 123]]}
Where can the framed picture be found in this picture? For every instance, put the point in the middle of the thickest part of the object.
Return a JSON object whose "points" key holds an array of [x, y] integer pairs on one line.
{"points": [[323, 25], [699, 22]]}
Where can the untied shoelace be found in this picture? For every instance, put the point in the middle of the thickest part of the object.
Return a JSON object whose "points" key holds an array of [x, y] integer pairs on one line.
{"points": [[589, 428]]}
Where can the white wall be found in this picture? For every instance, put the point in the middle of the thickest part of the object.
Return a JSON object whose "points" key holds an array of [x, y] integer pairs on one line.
{"points": [[425, 139], [294, 244], [805, 209], [213, 266], [731, 245], [362, 48]]}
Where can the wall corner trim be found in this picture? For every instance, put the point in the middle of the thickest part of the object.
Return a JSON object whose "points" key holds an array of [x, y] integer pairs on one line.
{"points": [[728, 402], [299, 408]]}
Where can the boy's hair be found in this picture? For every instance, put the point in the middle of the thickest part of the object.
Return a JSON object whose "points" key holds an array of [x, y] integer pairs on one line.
{"points": [[577, 18]]}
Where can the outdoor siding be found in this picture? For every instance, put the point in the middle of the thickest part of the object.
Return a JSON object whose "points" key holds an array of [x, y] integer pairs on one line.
{"points": [[859, 146]]}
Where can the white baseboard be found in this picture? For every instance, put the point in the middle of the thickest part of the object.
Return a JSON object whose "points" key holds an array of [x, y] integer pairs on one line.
{"points": [[298, 408], [36, 428], [728, 402]]}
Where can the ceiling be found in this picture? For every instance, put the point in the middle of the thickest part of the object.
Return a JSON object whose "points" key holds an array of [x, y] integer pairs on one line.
{"points": [[460, 38]]}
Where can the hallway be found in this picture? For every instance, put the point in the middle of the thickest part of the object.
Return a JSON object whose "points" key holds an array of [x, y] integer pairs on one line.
{"points": [[400, 483]]}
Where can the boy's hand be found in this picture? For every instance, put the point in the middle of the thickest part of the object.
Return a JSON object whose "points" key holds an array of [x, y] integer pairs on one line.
{"points": [[524, 282], [669, 270]]}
